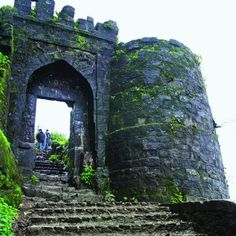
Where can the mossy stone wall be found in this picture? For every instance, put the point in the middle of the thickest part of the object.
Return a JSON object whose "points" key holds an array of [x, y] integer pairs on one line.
{"points": [[4, 78], [10, 177], [160, 122], [39, 39]]}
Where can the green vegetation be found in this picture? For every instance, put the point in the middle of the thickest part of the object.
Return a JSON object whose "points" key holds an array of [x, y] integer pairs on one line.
{"points": [[10, 178], [177, 198], [7, 215], [173, 61], [118, 53], [198, 59], [175, 125], [55, 56], [125, 199], [10, 186], [172, 125], [168, 192], [4, 61], [60, 151], [134, 200], [110, 25], [81, 42], [109, 196], [6, 11], [54, 157], [4, 76], [88, 175], [55, 18], [151, 75], [76, 25], [33, 12], [34, 179], [59, 138]]}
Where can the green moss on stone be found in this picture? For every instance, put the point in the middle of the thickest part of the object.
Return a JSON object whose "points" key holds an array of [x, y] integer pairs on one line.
{"points": [[4, 76], [110, 25], [168, 192], [55, 18], [6, 12], [147, 80], [33, 13], [10, 178], [81, 42], [172, 127]]}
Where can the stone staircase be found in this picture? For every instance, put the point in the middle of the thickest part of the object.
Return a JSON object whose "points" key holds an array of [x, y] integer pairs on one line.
{"points": [[52, 207]]}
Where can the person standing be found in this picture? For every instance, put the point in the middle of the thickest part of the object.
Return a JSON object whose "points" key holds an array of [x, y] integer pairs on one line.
{"points": [[48, 139], [40, 138]]}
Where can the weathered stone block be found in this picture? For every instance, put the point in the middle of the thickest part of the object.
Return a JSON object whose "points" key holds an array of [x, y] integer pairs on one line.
{"points": [[45, 9]]}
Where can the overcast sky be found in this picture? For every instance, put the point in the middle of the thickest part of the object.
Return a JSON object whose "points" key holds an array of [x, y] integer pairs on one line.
{"points": [[207, 27]]}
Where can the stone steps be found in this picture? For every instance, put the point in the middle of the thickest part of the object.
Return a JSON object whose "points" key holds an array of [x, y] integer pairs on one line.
{"points": [[49, 167], [60, 178], [163, 233], [55, 208], [100, 210], [99, 219], [111, 227], [102, 204], [47, 162], [66, 196], [55, 188], [50, 171]]}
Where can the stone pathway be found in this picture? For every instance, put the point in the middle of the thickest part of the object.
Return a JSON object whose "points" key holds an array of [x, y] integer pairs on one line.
{"points": [[52, 207]]}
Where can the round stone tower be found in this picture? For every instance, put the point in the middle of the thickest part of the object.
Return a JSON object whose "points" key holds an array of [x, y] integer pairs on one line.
{"points": [[162, 144]]}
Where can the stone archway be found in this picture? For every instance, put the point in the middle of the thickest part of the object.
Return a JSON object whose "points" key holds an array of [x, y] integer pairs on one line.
{"points": [[61, 82]]}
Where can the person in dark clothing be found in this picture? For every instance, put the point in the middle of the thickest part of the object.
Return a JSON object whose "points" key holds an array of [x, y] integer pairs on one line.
{"points": [[40, 138], [48, 139]]}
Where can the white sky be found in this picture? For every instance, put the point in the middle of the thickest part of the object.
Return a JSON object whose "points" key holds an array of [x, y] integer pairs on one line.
{"points": [[207, 27], [54, 116]]}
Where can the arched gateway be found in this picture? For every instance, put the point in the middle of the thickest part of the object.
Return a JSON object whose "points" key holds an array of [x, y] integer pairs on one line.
{"points": [[60, 81], [62, 61]]}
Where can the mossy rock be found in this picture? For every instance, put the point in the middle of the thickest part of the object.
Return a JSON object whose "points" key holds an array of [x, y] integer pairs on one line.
{"points": [[10, 178]]}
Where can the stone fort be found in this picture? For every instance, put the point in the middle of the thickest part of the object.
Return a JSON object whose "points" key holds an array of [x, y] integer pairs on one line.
{"points": [[140, 109]]}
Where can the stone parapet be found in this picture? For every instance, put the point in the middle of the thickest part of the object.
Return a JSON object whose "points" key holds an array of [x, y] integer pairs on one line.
{"points": [[44, 12]]}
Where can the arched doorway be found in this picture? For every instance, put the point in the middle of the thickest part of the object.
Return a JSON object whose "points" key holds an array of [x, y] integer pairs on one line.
{"points": [[59, 81]]}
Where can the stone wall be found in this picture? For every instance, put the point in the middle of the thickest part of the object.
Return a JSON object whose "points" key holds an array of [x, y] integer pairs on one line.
{"points": [[162, 143], [216, 217], [39, 39], [6, 15]]}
